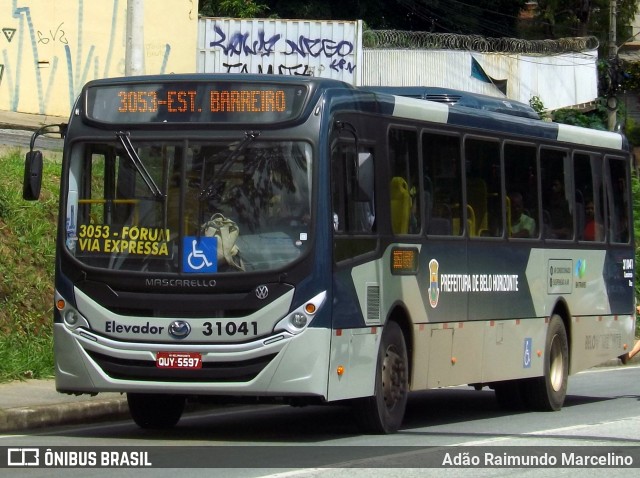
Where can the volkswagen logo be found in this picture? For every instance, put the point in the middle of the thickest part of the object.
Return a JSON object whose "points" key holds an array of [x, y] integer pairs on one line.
{"points": [[262, 292], [179, 329]]}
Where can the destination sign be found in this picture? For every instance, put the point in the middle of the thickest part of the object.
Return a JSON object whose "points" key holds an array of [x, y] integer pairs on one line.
{"points": [[194, 102]]}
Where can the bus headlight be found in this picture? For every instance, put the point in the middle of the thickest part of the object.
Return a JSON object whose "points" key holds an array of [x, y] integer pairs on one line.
{"points": [[298, 320], [71, 317]]}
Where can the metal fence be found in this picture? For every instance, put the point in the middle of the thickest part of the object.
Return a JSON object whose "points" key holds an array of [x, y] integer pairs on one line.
{"points": [[381, 39]]}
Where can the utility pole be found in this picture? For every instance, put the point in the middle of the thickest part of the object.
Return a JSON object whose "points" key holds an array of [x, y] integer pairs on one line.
{"points": [[612, 100], [134, 50]]}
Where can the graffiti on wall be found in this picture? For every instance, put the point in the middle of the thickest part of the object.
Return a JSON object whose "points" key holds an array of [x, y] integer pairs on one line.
{"points": [[296, 53], [36, 52]]}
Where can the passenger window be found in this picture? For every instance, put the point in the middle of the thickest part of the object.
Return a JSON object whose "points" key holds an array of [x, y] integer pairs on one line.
{"points": [[521, 183], [618, 201], [589, 208], [442, 184], [484, 190], [557, 197], [352, 213], [404, 184]]}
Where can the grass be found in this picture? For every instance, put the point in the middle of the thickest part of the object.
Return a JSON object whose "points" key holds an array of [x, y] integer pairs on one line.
{"points": [[27, 248]]}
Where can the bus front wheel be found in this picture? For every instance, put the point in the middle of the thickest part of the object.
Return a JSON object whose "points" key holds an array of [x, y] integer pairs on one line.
{"points": [[383, 412], [155, 411], [547, 393]]}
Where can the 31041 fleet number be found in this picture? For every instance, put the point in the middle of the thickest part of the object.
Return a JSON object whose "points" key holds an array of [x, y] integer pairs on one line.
{"points": [[230, 329]]}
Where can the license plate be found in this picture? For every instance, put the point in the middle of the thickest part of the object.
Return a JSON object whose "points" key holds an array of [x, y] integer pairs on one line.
{"points": [[182, 360]]}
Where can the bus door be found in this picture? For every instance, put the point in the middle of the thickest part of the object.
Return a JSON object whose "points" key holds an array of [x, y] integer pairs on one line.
{"points": [[353, 215]]}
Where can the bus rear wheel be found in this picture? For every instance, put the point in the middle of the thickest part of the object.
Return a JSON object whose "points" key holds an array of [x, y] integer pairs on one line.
{"points": [[547, 393], [155, 411], [384, 411]]}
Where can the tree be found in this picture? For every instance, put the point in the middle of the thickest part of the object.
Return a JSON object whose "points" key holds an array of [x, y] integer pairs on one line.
{"points": [[232, 8], [571, 18], [491, 18]]}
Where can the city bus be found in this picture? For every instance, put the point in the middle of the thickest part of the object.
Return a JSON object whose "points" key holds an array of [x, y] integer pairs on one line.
{"points": [[298, 240]]}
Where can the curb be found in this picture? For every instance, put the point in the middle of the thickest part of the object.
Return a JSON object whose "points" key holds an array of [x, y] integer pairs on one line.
{"points": [[26, 418], [27, 121]]}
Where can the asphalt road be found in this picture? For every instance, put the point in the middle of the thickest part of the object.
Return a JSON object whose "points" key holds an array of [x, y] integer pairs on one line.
{"points": [[601, 415]]}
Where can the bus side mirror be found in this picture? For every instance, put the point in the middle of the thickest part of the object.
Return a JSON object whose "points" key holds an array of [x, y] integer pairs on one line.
{"points": [[32, 176], [365, 175]]}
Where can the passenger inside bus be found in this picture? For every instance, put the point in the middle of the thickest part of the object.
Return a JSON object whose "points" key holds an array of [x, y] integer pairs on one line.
{"points": [[593, 231], [522, 225]]}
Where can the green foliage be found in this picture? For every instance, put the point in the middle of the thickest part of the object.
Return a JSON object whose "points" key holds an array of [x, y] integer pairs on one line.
{"points": [[232, 8], [536, 103], [635, 189], [538, 106], [27, 247], [631, 76], [577, 18], [596, 119], [553, 19], [632, 131]]}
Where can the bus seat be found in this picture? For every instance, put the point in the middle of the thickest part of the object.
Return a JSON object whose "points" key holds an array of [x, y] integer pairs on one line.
{"points": [[471, 221], [439, 226], [400, 205], [477, 198]]}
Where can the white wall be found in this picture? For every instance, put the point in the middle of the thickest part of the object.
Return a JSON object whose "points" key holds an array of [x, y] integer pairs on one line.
{"points": [[559, 80]]}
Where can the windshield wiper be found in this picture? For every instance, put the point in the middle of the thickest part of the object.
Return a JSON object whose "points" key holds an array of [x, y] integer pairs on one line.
{"points": [[211, 188], [137, 162]]}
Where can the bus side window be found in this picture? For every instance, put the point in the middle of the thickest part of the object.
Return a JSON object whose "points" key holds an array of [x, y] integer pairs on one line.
{"points": [[618, 201], [589, 212], [442, 183], [557, 196], [484, 190], [351, 213], [406, 216], [521, 183]]}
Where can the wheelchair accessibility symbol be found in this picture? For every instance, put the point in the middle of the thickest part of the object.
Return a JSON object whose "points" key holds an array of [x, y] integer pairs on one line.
{"points": [[199, 254], [526, 357]]}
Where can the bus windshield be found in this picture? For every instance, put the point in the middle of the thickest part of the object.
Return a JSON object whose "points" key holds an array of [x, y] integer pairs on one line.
{"points": [[188, 206]]}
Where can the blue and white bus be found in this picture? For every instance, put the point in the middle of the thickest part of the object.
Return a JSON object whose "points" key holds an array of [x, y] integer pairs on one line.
{"points": [[303, 240]]}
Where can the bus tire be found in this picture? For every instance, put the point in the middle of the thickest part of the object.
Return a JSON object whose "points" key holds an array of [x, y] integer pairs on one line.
{"points": [[384, 411], [155, 411], [547, 393]]}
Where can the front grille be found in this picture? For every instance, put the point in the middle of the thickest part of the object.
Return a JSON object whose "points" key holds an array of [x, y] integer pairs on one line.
{"points": [[146, 370], [185, 304]]}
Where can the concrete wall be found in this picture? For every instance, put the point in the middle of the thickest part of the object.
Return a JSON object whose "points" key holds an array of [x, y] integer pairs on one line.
{"points": [[50, 48]]}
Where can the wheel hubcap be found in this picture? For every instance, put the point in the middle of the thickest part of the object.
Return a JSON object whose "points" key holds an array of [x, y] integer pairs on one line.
{"points": [[556, 364]]}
